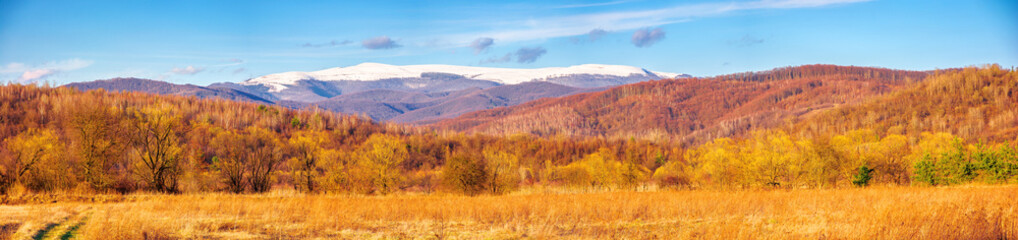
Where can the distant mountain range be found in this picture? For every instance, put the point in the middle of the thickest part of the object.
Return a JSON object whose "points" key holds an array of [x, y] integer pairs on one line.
{"points": [[165, 88], [805, 100], [408, 94]]}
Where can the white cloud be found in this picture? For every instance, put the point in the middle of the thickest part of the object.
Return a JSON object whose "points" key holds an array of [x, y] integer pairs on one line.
{"points": [[189, 70], [13, 68], [31, 73], [35, 74], [574, 25]]}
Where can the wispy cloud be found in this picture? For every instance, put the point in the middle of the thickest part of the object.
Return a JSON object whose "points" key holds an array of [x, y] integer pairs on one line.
{"points": [[230, 62], [523, 55], [593, 4], [529, 55], [505, 58], [647, 37], [382, 42], [592, 36], [332, 43], [746, 40], [36, 72], [189, 70], [481, 44], [596, 34], [574, 25]]}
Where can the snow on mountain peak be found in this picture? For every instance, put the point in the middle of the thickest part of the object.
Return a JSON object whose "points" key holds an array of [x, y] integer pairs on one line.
{"points": [[377, 71]]}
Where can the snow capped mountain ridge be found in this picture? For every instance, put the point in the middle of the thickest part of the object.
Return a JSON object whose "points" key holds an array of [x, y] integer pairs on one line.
{"points": [[377, 71]]}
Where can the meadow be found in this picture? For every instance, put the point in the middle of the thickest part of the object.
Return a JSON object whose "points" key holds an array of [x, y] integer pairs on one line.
{"points": [[880, 212]]}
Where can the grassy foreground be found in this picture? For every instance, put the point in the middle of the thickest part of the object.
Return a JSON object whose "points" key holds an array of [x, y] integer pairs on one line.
{"points": [[966, 212]]}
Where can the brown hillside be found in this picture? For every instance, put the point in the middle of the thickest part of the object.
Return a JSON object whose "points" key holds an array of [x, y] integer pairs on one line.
{"points": [[974, 103], [691, 110]]}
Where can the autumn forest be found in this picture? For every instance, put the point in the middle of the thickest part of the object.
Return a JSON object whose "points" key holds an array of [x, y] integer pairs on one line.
{"points": [[814, 126]]}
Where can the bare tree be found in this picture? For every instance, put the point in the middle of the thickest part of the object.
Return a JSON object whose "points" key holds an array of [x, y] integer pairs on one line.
{"points": [[157, 145]]}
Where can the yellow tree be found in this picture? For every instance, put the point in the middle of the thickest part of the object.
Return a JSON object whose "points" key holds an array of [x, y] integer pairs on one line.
{"points": [[24, 153], [716, 163], [503, 171], [941, 158], [263, 156], [306, 148], [770, 156], [604, 170], [857, 148], [933, 144], [890, 161], [96, 130], [229, 159], [673, 174], [157, 147], [380, 158], [335, 176], [247, 159], [631, 174], [465, 172], [821, 162]]}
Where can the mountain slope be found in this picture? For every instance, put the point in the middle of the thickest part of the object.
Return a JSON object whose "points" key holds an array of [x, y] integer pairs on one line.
{"points": [[165, 88], [482, 99], [377, 71], [405, 94], [973, 103], [320, 85], [423, 108], [379, 104], [691, 110]]}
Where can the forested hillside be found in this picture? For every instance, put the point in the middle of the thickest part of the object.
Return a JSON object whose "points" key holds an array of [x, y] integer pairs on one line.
{"points": [[64, 139], [954, 127], [880, 127], [973, 103], [692, 110]]}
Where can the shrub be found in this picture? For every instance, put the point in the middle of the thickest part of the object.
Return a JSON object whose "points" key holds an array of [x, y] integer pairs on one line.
{"points": [[925, 171], [465, 173], [862, 178]]}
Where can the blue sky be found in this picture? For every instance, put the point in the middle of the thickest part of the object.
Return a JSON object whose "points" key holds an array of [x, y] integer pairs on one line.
{"points": [[203, 42]]}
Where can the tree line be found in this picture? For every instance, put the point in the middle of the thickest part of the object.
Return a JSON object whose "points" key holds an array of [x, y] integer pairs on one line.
{"points": [[774, 159], [96, 141]]}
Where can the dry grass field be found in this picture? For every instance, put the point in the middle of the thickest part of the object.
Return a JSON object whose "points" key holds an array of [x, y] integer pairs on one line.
{"points": [[964, 212]]}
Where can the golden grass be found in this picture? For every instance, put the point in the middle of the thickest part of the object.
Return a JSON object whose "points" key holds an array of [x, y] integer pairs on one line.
{"points": [[969, 212]]}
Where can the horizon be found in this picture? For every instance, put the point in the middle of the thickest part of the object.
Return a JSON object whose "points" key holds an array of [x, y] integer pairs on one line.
{"points": [[202, 43]]}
